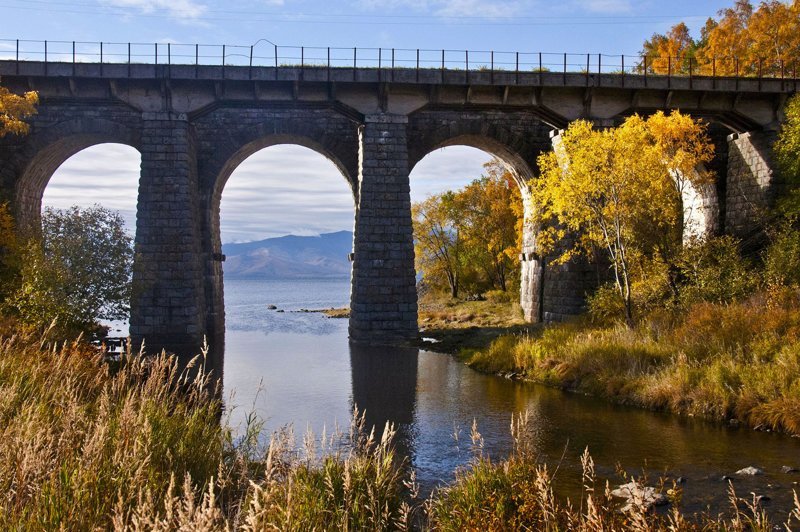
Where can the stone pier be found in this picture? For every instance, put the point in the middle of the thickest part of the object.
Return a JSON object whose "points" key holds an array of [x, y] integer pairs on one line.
{"points": [[193, 125]]}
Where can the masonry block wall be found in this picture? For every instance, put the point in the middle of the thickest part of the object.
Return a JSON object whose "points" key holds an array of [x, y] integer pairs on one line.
{"points": [[752, 184], [384, 292], [168, 306], [227, 135]]}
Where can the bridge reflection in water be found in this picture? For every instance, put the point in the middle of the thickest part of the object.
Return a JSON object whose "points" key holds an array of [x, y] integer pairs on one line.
{"points": [[384, 381]]}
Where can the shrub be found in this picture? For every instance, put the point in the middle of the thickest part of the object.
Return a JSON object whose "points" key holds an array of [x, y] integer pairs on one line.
{"points": [[715, 272]]}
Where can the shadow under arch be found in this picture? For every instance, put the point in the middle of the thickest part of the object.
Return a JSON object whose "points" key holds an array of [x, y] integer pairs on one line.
{"points": [[49, 148], [212, 238]]}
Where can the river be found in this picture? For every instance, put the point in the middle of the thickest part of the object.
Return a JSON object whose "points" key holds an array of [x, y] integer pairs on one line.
{"points": [[297, 368]]}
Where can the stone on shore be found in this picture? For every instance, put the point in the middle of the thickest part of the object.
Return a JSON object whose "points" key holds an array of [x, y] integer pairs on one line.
{"points": [[637, 495], [750, 471]]}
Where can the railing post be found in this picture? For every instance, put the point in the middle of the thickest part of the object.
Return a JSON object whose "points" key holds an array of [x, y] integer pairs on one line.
{"points": [[760, 72], [466, 64], [380, 51], [223, 61], [73, 56], [45, 58], [587, 69], [782, 74], [564, 76], [355, 62], [690, 72], [442, 71], [17, 64], [329, 63], [669, 71], [623, 70], [392, 64], [155, 45], [644, 62], [714, 72], [516, 68], [417, 65], [540, 68], [736, 71], [250, 70], [599, 69], [101, 58], [129, 59], [169, 60], [276, 60], [196, 60]]}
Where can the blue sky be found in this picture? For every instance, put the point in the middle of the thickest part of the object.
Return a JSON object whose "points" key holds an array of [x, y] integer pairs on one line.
{"points": [[257, 203]]}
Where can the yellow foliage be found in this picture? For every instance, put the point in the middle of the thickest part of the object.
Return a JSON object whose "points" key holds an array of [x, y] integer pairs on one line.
{"points": [[744, 41], [14, 109], [618, 189]]}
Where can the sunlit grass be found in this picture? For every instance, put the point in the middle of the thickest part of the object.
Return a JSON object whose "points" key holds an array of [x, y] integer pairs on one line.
{"points": [[737, 361], [141, 445]]}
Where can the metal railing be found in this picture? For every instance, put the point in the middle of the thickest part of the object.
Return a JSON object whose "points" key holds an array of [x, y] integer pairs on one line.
{"points": [[263, 54]]}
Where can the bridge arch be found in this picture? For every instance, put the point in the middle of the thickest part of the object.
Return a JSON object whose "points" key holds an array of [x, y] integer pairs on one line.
{"points": [[215, 178], [47, 149]]}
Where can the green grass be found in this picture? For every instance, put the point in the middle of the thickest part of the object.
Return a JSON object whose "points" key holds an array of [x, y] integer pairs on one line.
{"points": [[735, 361]]}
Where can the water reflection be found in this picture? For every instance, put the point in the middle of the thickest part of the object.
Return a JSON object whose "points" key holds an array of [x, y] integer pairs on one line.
{"points": [[310, 377], [384, 384]]}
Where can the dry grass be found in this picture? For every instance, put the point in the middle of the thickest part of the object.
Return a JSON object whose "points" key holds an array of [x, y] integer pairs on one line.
{"points": [[444, 313], [517, 494], [739, 361], [138, 445]]}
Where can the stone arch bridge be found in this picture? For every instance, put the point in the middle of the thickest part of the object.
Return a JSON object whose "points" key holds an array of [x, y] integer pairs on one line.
{"points": [[193, 126]]}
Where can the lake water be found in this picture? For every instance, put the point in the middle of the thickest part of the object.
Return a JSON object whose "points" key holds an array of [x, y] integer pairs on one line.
{"points": [[297, 368]]}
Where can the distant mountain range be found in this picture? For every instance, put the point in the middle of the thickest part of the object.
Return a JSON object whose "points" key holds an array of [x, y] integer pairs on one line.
{"points": [[290, 257]]}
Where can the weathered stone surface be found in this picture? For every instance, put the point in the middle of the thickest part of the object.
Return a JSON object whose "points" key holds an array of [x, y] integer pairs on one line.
{"points": [[384, 295], [194, 125], [752, 184]]}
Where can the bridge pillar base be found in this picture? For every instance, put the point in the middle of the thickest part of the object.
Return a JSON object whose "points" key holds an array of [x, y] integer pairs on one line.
{"points": [[383, 307], [167, 308]]}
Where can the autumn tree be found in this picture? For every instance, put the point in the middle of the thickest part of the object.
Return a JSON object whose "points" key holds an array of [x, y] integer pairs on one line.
{"points": [[14, 109], [743, 40], [78, 273], [617, 190], [469, 238], [489, 208], [437, 241], [669, 53]]}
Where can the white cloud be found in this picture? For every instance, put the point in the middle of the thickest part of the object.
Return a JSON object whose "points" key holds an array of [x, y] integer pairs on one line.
{"points": [[107, 174], [450, 168], [179, 9], [277, 191]]}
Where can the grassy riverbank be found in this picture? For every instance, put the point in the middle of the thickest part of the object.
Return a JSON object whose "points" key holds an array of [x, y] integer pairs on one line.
{"points": [[736, 362], [137, 445]]}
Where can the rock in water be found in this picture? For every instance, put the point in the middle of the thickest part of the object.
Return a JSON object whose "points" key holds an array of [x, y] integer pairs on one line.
{"points": [[788, 469], [637, 495], [272, 307], [751, 471]]}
